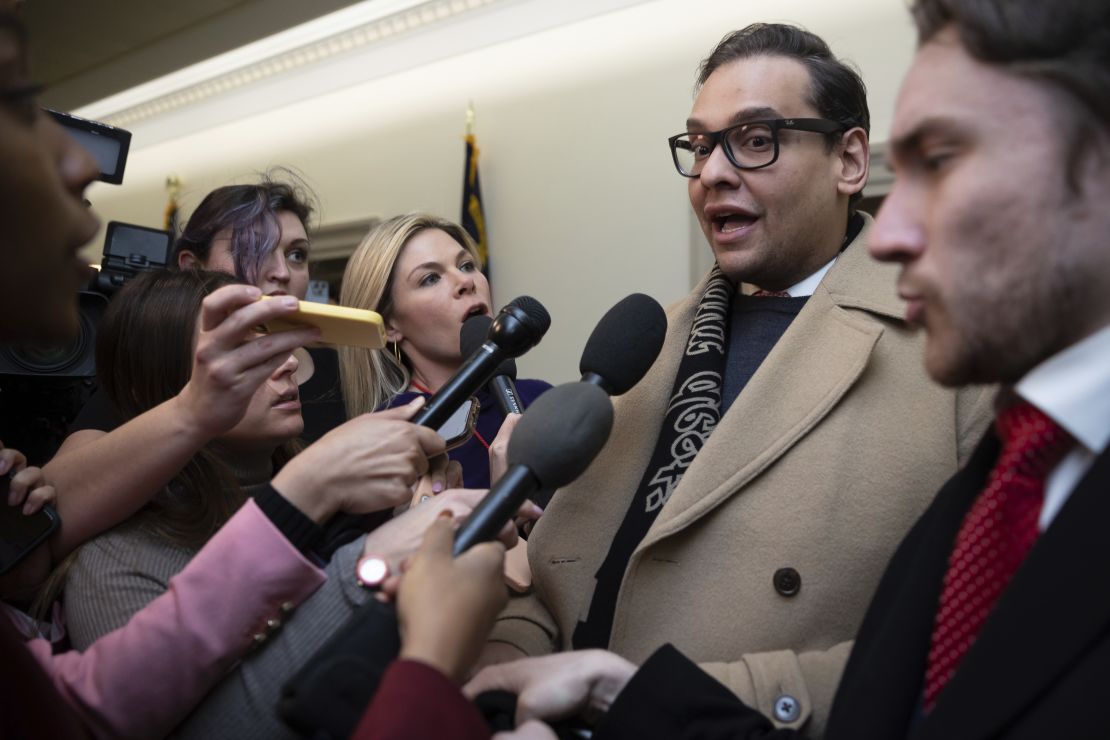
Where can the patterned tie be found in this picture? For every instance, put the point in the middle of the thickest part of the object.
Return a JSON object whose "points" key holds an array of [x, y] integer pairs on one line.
{"points": [[770, 294], [997, 533]]}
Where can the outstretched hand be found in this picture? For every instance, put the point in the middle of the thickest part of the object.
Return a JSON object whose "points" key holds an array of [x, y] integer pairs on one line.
{"points": [[446, 606], [366, 464], [582, 684]]}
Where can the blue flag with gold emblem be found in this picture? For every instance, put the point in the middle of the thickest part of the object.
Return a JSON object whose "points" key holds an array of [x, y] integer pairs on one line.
{"points": [[473, 217]]}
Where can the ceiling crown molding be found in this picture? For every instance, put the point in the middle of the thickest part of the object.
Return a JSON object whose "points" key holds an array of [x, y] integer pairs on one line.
{"points": [[325, 39]]}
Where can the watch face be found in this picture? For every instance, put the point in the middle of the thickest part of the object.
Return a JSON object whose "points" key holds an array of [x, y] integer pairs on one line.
{"points": [[372, 571]]}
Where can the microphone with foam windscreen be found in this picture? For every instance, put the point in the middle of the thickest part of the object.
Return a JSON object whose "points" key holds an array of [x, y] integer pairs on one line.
{"points": [[554, 443], [516, 329], [556, 440], [501, 386], [624, 344]]}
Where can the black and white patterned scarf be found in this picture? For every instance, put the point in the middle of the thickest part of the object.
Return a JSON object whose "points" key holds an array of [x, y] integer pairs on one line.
{"points": [[692, 414]]}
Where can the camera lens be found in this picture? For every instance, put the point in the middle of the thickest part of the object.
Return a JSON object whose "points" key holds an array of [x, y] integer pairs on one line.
{"points": [[53, 358]]}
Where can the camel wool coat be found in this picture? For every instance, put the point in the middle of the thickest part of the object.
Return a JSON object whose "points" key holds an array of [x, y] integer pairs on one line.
{"points": [[761, 564]]}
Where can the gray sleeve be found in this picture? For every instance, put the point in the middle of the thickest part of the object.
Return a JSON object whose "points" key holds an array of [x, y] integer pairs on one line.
{"points": [[243, 704], [111, 579]]}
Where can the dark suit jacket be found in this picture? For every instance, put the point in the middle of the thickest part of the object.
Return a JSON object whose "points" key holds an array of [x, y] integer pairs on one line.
{"points": [[1040, 668]]}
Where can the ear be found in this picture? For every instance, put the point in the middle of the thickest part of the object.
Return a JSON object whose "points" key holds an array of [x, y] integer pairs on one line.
{"points": [[186, 260], [853, 161], [392, 333]]}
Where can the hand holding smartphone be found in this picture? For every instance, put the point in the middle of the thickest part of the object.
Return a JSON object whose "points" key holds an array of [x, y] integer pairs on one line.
{"points": [[21, 533]]}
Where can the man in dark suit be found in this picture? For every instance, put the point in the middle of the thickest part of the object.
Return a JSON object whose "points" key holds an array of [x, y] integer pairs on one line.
{"points": [[993, 617]]}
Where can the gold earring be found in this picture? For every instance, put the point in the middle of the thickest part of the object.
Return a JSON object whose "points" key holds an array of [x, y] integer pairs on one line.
{"points": [[397, 353]]}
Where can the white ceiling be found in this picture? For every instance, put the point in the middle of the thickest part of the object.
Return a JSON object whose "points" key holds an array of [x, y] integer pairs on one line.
{"points": [[84, 51]]}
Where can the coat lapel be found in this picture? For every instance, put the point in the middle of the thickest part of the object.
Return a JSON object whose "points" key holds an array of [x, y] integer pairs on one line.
{"points": [[816, 362], [1056, 605]]}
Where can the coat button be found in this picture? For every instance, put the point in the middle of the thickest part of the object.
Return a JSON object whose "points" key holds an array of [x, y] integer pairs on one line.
{"points": [[787, 581], [787, 709]]}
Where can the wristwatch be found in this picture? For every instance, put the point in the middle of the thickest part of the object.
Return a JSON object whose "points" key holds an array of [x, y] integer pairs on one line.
{"points": [[371, 571]]}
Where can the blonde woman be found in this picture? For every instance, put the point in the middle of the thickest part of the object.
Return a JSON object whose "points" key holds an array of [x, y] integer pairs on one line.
{"points": [[422, 274]]}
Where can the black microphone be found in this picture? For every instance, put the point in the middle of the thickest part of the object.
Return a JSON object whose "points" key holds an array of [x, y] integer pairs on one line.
{"points": [[516, 329], [501, 387], [624, 344], [554, 443]]}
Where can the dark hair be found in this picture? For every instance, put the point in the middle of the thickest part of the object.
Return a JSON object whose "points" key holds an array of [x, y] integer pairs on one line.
{"points": [[144, 357], [1065, 43], [249, 212], [836, 91]]}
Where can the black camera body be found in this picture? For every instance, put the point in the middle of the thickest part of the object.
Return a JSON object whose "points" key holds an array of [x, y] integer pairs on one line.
{"points": [[43, 387]]}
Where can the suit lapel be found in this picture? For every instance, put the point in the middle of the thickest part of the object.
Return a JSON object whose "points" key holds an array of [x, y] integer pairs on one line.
{"points": [[816, 362], [1057, 603]]}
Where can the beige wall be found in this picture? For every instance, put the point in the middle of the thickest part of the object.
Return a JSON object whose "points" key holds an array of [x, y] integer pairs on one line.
{"points": [[582, 203]]}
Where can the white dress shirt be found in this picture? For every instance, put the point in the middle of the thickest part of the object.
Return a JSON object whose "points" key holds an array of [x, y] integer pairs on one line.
{"points": [[1073, 388], [805, 288]]}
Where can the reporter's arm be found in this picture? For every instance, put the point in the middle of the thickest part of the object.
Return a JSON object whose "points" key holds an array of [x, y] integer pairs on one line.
{"points": [[242, 705], [416, 701], [445, 607], [809, 678], [367, 464], [144, 678], [669, 696], [578, 684], [106, 479]]}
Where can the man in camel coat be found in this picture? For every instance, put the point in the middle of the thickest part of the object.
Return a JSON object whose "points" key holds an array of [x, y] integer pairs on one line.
{"points": [[745, 507]]}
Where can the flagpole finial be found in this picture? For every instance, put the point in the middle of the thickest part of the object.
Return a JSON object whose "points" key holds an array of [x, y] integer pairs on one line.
{"points": [[173, 184], [470, 118]]}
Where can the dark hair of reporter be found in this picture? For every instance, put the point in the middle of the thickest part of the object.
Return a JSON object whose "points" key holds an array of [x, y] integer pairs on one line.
{"points": [[144, 356], [249, 214]]}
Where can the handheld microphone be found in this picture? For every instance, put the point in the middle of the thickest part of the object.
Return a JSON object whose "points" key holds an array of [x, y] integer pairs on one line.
{"points": [[554, 443], [501, 387], [624, 344], [516, 329]]}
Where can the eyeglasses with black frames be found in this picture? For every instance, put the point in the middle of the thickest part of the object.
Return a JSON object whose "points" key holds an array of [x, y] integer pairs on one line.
{"points": [[749, 146]]}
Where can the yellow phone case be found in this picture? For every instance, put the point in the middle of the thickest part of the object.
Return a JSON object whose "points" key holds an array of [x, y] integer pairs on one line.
{"points": [[353, 327]]}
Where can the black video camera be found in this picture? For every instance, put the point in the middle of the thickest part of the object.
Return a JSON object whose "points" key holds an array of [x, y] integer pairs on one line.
{"points": [[42, 387]]}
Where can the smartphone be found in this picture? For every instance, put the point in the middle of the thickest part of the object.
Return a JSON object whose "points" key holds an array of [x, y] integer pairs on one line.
{"points": [[20, 534], [351, 327], [459, 427]]}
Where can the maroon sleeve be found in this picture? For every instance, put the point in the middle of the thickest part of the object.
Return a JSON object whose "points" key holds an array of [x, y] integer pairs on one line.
{"points": [[416, 701]]}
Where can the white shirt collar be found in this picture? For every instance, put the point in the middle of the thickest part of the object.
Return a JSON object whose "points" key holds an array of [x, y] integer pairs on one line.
{"points": [[807, 286], [1073, 387]]}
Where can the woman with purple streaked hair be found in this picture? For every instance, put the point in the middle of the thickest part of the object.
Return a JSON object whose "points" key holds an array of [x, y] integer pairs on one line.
{"points": [[256, 232]]}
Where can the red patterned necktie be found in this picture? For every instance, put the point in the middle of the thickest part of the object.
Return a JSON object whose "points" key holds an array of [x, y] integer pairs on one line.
{"points": [[997, 533], [770, 294]]}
